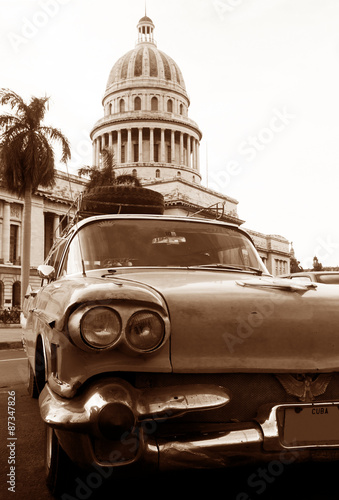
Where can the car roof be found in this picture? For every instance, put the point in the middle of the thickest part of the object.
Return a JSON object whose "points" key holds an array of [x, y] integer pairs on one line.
{"points": [[87, 220]]}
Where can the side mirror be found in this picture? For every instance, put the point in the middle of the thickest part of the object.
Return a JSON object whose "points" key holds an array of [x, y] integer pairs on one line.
{"points": [[46, 272]]}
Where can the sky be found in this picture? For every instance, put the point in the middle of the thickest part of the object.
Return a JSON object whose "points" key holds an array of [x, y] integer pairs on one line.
{"points": [[263, 81]]}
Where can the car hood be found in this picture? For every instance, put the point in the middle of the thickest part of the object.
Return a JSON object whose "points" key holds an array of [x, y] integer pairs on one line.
{"points": [[221, 321], [226, 321]]}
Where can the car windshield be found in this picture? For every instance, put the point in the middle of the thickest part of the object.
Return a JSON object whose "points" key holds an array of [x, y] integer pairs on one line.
{"points": [[125, 243], [329, 279]]}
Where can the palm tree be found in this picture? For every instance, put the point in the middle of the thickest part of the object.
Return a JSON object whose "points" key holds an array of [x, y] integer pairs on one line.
{"points": [[27, 159]]}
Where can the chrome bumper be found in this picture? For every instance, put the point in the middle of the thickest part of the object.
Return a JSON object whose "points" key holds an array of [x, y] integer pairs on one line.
{"points": [[86, 426]]}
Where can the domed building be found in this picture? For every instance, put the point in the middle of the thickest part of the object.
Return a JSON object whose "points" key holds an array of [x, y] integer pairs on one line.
{"points": [[146, 123], [146, 115]]}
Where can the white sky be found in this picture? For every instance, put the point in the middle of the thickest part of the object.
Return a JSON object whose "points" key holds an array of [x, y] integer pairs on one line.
{"points": [[262, 75]]}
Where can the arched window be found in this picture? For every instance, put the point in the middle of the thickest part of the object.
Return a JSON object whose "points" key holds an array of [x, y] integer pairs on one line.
{"points": [[181, 109], [111, 108], [122, 106], [16, 293], [154, 104], [179, 174], [157, 173], [134, 172], [170, 106], [137, 104]]}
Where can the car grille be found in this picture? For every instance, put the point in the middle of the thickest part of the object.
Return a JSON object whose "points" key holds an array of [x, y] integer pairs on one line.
{"points": [[248, 393]]}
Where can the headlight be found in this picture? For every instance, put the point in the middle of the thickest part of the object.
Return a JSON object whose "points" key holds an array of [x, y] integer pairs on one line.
{"points": [[100, 327], [145, 331]]}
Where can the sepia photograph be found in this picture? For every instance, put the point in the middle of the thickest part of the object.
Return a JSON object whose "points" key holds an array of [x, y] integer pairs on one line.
{"points": [[169, 256]]}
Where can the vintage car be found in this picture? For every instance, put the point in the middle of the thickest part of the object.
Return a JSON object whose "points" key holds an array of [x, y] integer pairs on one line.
{"points": [[327, 277], [162, 342]]}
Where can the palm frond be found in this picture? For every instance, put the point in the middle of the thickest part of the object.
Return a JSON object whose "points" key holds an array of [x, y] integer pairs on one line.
{"points": [[56, 135], [13, 100]]}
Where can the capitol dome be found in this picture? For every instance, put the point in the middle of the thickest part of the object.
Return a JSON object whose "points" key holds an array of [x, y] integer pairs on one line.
{"points": [[146, 61], [146, 119]]}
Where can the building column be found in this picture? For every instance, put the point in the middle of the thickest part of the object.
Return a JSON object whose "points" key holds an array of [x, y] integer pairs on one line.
{"points": [[173, 146], [6, 231], [194, 153], [110, 140], [98, 150], [162, 150], [129, 145], [56, 227], [181, 148], [189, 151], [151, 145], [118, 153], [94, 152], [198, 156], [140, 145]]}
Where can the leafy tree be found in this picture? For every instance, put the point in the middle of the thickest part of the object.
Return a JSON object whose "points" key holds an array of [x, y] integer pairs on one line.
{"points": [[295, 265], [105, 176], [27, 159], [317, 266]]}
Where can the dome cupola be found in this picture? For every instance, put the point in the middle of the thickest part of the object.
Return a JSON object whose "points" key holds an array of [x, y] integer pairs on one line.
{"points": [[145, 30], [146, 119]]}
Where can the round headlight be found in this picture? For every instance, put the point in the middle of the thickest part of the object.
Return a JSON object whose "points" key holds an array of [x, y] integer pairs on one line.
{"points": [[100, 327], [145, 331]]}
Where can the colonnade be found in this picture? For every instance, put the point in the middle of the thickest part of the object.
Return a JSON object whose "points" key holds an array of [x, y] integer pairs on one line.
{"points": [[154, 145]]}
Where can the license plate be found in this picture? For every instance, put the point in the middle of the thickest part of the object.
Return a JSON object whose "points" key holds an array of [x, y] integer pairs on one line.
{"points": [[311, 425]]}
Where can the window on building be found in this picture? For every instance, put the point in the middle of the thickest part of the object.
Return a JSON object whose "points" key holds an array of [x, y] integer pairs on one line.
{"points": [[122, 106], [157, 173], [156, 152], [16, 294], [169, 154], [181, 109], [136, 152], [123, 156], [179, 174], [13, 249], [170, 106], [154, 104], [137, 104], [134, 172]]}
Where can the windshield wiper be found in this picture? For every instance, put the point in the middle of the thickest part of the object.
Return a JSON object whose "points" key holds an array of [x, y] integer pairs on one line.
{"points": [[227, 266]]}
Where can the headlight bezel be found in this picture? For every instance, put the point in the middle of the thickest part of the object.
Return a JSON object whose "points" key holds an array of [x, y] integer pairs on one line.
{"points": [[125, 313], [127, 331], [86, 336]]}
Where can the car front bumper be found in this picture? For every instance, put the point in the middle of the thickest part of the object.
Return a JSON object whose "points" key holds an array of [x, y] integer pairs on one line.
{"points": [[111, 423]]}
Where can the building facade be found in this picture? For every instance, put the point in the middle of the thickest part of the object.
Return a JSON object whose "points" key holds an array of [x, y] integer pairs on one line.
{"points": [[146, 124]]}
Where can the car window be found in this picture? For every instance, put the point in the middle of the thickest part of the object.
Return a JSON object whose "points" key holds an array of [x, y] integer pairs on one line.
{"points": [[301, 279], [126, 243], [55, 256], [329, 279]]}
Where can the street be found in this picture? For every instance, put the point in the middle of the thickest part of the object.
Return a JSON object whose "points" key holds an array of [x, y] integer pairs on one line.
{"points": [[22, 461]]}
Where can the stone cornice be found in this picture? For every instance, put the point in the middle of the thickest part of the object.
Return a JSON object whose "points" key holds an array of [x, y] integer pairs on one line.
{"points": [[131, 117]]}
